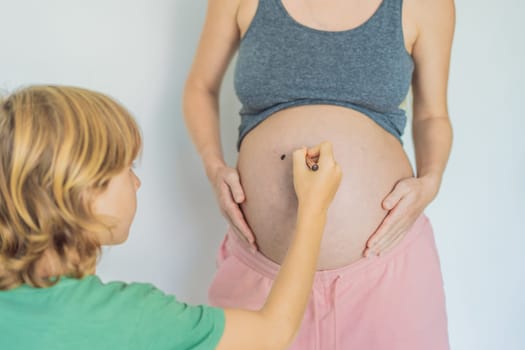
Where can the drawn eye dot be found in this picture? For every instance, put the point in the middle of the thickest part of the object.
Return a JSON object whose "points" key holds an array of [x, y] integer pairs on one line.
{"points": [[283, 156]]}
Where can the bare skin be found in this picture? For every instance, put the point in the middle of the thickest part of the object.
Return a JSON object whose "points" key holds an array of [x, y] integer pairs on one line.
{"points": [[372, 160], [380, 198]]}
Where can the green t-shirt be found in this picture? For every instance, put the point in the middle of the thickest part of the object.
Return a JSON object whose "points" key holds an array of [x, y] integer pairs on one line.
{"points": [[88, 314]]}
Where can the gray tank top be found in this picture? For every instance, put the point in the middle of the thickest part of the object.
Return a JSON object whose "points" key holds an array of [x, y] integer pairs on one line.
{"points": [[282, 63]]}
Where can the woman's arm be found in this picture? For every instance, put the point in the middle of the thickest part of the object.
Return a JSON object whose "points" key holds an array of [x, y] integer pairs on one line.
{"points": [[431, 129], [275, 325], [219, 41]]}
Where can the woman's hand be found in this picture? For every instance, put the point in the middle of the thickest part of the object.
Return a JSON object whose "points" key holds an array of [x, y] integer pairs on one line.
{"points": [[229, 192], [316, 189], [405, 204]]}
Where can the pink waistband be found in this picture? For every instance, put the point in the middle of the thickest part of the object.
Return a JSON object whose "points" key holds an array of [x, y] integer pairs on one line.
{"points": [[257, 261]]}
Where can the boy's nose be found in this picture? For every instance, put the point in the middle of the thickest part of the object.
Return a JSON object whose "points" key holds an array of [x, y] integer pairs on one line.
{"points": [[137, 182]]}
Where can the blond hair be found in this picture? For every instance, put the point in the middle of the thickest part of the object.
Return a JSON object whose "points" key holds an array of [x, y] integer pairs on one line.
{"points": [[58, 147]]}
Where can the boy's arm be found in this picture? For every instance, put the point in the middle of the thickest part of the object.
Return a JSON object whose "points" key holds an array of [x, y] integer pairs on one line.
{"points": [[274, 326]]}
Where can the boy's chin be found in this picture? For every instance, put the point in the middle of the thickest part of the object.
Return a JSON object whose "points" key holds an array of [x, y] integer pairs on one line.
{"points": [[115, 240]]}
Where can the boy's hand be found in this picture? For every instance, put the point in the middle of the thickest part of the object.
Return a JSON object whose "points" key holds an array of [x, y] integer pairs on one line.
{"points": [[316, 189]]}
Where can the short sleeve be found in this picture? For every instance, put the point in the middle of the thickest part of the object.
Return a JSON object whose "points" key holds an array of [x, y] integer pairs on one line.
{"points": [[165, 323]]}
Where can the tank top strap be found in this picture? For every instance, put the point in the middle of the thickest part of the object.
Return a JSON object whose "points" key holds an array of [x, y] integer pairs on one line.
{"points": [[268, 13], [389, 10], [269, 8], [394, 7], [387, 20]]}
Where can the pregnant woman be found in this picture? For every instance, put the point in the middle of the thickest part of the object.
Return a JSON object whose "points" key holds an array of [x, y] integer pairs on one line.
{"points": [[314, 70]]}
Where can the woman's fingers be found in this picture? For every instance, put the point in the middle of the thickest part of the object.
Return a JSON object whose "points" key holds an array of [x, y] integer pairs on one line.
{"points": [[405, 204], [233, 213], [391, 231], [239, 223], [392, 218], [229, 192], [390, 243], [396, 224], [384, 232], [381, 231], [234, 183], [400, 190]]}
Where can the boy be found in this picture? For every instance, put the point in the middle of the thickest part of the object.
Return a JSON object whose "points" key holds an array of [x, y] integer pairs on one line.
{"points": [[67, 187]]}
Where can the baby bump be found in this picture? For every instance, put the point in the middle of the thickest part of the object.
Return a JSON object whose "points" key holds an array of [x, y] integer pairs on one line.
{"points": [[372, 160]]}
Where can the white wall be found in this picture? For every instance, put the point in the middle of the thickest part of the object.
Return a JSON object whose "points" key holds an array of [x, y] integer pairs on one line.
{"points": [[139, 52]]}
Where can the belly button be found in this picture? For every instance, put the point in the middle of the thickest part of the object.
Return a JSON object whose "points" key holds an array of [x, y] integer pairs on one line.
{"points": [[283, 156]]}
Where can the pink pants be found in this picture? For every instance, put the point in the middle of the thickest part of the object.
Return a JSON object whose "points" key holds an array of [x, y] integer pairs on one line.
{"points": [[392, 302]]}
